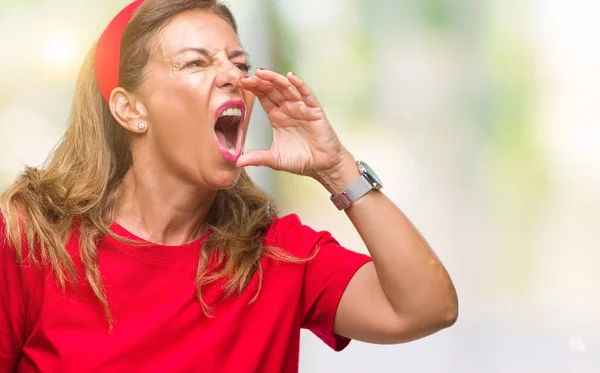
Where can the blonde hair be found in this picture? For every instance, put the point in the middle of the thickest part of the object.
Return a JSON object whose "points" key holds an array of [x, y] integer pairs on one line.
{"points": [[81, 182]]}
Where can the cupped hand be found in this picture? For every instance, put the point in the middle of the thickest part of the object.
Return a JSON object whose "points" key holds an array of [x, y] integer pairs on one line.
{"points": [[304, 142]]}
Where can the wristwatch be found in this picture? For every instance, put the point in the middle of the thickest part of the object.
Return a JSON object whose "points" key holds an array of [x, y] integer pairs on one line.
{"points": [[367, 181]]}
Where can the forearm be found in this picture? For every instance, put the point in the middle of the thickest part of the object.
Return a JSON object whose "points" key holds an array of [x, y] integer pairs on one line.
{"points": [[409, 273]]}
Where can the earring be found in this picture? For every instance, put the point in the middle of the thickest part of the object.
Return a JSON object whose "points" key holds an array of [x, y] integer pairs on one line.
{"points": [[141, 126]]}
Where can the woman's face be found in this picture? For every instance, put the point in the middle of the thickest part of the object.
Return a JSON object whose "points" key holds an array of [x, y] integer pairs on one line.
{"points": [[196, 112]]}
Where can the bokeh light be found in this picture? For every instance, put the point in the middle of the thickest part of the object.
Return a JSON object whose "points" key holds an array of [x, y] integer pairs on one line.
{"points": [[60, 51]]}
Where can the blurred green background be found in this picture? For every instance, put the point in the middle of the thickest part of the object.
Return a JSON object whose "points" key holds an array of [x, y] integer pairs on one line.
{"points": [[481, 117]]}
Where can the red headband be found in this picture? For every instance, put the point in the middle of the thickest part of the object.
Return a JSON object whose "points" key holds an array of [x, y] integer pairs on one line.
{"points": [[108, 50]]}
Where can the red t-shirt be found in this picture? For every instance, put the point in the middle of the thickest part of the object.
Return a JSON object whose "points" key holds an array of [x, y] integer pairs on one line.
{"points": [[160, 326]]}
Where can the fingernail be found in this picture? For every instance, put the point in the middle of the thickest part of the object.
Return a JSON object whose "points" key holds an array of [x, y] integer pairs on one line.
{"points": [[245, 77], [291, 72], [260, 68]]}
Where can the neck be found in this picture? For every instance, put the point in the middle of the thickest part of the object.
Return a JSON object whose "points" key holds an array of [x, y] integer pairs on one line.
{"points": [[162, 210]]}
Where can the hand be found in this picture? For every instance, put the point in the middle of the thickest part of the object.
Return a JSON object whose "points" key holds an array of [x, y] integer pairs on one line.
{"points": [[304, 142]]}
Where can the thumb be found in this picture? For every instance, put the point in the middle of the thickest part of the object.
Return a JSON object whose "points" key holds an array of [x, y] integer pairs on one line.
{"points": [[257, 158]]}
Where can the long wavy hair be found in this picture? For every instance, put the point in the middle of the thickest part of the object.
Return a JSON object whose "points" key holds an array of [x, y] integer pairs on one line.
{"points": [[80, 184]]}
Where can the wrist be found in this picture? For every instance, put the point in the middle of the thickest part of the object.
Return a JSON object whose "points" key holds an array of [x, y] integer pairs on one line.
{"points": [[338, 178]]}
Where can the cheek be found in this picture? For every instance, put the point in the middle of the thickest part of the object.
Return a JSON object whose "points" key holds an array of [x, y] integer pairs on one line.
{"points": [[180, 105], [182, 125], [180, 95], [197, 82]]}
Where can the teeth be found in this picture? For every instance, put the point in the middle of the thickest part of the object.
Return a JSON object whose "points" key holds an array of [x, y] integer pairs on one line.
{"points": [[232, 112]]}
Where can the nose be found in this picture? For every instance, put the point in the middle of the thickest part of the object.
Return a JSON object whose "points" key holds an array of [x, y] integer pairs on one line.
{"points": [[228, 75]]}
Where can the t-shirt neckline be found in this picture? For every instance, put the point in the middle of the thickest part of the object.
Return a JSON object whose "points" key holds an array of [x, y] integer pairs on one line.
{"points": [[155, 252]]}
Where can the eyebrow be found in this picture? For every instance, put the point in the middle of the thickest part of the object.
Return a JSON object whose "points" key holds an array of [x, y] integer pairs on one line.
{"points": [[207, 54]]}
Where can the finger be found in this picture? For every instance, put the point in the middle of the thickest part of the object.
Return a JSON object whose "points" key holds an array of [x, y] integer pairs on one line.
{"points": [[253, 83], [280, 82], [258, 88], [261, 87], [257, 158], [294, 110], [308, 96], [268, 105]]}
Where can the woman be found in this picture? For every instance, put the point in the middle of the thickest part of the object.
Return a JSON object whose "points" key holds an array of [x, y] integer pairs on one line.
{"points": [[143, 246]]}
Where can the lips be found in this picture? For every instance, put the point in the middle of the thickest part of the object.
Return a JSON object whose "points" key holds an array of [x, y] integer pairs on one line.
{"points": [[229, 125]]}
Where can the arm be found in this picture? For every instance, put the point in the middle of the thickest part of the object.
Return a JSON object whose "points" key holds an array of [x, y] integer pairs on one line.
{"points": [[405, 293]]}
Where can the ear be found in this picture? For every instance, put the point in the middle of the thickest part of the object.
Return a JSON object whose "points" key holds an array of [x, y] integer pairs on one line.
{"points": [[128, 110]]}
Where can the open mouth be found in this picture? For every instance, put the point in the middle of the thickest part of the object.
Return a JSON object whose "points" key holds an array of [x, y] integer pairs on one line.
{"points": [[229, 129]]}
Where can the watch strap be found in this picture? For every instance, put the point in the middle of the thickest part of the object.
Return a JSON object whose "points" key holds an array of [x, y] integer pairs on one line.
{"points": [[353, 193]]}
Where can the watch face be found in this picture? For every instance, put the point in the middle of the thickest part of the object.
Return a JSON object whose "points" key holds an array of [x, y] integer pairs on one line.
{"points": [[370, 173]]}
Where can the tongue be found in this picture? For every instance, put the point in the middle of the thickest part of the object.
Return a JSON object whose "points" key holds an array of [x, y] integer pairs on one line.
{"points": [[223, 140]]}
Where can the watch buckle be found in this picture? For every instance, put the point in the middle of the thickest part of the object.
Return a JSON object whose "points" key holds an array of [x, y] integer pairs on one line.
{"points": [[342, 201]]}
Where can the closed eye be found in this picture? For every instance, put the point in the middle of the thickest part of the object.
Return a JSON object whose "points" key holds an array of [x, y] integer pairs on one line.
{"points": [[244, 67], [195, 63]]}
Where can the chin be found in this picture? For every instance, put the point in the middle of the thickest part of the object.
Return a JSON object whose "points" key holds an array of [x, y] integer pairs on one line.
{"points": [[225, 179]]}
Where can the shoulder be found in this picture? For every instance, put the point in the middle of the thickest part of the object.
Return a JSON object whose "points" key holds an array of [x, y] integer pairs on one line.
{"points": [[4, 238], [9, 233], [16, 240], [9, 260], [290, 234], [289, 228], [8, 250], [282, 224]]}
